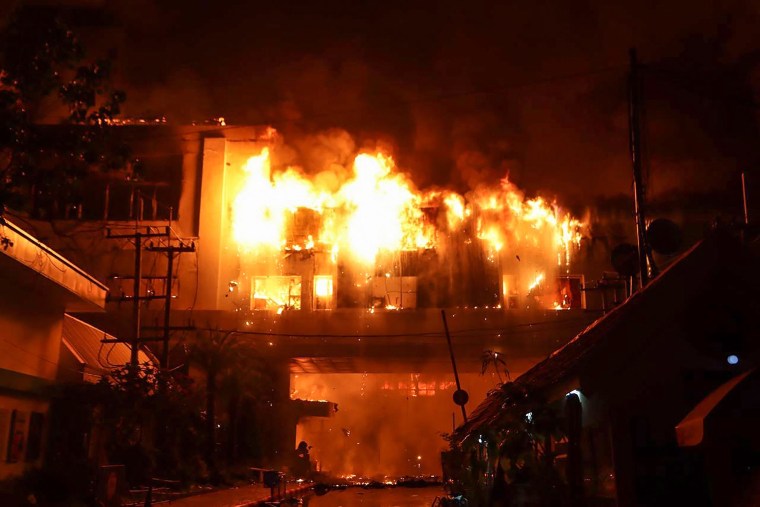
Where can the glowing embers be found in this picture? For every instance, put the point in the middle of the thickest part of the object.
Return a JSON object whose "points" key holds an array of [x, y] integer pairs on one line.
{"points": [[277, 293]]}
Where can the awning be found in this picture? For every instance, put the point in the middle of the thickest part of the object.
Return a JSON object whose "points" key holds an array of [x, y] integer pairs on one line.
{"points": [[26, 264], [690, 431]]}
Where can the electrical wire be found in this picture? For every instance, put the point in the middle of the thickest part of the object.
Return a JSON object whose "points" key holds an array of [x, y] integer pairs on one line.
{"points": [[429, 334]]}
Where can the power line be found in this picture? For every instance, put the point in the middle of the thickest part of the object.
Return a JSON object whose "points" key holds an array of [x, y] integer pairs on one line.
{"points": [[428, 334]]}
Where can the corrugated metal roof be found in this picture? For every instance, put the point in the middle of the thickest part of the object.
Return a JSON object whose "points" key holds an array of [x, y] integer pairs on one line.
{"points": [[86, 343]]}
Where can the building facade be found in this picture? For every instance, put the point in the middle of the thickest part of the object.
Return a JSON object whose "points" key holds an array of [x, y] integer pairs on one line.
{"points": [[38, 287]]}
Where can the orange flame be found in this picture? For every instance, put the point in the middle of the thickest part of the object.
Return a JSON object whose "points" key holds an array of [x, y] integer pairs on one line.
{"points": [[384, 211], [378, 209]]}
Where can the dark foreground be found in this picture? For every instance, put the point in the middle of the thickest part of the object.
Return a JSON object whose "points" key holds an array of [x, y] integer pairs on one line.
{"points": [[391, 497]]}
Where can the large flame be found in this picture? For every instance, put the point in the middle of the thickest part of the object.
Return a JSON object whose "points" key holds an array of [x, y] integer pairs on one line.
{"points": [[265, 201], [383, 210], [508, 219], [377, 210]]}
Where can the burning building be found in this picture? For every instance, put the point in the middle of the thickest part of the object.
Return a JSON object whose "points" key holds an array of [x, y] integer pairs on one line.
{"points": [[344, 270], [336, 276], [367, 238]]}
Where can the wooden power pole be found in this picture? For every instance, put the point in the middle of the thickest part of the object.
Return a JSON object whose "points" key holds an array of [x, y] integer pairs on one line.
{"points": [[634, 118], [136, 339]]}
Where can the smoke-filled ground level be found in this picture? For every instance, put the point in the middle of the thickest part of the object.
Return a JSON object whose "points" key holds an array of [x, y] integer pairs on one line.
{"points": [[386, 424]]}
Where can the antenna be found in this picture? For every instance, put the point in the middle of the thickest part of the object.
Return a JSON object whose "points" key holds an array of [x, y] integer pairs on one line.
{"points": [[744, 199], [634, 118]]}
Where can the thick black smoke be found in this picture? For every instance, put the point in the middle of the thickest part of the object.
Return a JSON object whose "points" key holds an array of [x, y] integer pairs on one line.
{"points": [[462, 92]]}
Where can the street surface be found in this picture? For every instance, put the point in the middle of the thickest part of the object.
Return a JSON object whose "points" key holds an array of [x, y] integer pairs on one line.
{"points": [[392, 497]]}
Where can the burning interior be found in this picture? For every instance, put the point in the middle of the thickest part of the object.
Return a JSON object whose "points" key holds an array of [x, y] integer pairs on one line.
{"points": [[386, 425]]}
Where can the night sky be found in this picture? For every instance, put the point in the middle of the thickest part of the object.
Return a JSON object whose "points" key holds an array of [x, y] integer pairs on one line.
{"points": [[461, 92]]}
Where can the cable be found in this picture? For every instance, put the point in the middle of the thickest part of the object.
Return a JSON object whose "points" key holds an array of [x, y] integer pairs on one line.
{"points": [[430, 334], [197, 282]]}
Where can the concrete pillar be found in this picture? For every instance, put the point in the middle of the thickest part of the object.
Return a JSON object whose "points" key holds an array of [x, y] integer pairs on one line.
{"points": [[210, 224], [284, 417], [187, 216]]}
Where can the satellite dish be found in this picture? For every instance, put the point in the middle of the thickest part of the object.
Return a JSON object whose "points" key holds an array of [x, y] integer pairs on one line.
{"points": [[625, 259], [664, 236]]}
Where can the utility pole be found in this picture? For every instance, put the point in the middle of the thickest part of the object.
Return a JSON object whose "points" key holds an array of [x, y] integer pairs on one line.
{"points": [[133, 358], [167, 328], [744, 200], [137, 237], [136, 338], [634, 122], [460, 395]]}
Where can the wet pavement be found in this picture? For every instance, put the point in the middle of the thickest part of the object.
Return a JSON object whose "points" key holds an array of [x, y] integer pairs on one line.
{"points": [[234, 497], [391, 497], [255, 494]]}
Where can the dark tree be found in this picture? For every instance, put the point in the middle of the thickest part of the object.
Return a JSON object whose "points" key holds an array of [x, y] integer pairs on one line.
{"points": [[56, 117]]}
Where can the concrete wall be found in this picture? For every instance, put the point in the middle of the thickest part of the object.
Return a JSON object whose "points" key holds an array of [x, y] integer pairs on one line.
{"points": [[30, 340], [222, 176], [16, 462], [30, 335]]}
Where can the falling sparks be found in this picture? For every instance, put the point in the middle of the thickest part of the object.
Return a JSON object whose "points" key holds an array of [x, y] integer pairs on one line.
{"points": [[536, 282]]}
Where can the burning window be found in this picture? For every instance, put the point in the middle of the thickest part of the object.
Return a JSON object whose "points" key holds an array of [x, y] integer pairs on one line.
{"points": [[570, 292], [509, 292], [394, 292], [416, 386], [277, 293], [425, 389], [323, 292]]}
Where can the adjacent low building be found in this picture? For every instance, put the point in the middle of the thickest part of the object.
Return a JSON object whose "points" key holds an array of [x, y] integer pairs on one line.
{"points": [[656, 403], [37, 287]]}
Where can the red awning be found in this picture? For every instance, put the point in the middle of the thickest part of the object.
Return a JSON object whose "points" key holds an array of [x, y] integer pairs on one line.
{"points": [[690, 431]]}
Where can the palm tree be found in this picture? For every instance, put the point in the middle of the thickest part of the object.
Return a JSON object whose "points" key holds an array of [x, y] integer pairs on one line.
{"points": [[233, 373], [215, 352], [492, 358], [239, 384]]}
